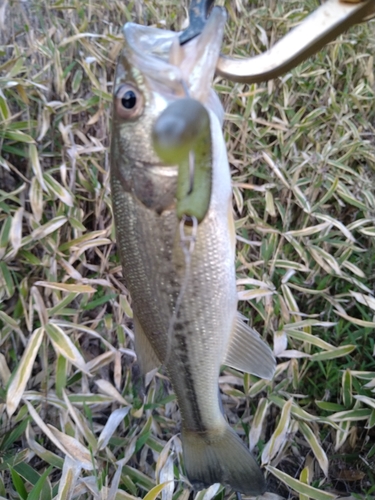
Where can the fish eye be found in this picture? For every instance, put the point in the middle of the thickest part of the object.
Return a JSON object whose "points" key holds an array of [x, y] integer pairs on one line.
{"points": [[128, 101]]}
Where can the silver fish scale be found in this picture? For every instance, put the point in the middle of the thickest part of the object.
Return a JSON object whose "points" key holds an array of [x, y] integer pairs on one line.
{"points": [[154, 267]]}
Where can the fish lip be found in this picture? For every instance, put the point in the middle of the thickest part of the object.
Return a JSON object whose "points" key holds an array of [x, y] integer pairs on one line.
{"points": [[149, 49], [202, 53]]}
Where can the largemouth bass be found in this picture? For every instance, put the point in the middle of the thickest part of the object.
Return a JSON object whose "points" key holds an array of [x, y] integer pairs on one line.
{"points": [[181, 276]]}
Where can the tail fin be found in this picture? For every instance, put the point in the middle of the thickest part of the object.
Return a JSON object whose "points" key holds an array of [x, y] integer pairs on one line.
{"points": [[221, 457]]}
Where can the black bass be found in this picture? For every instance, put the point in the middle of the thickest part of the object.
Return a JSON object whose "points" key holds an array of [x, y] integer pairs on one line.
{"points": [[181, 276]]}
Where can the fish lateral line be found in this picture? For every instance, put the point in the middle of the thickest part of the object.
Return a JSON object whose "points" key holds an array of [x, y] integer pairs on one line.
{"points": [[187, 242]]}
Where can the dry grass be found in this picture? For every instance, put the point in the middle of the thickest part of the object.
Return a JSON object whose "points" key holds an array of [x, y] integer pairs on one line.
{"points": [[302, 150]]}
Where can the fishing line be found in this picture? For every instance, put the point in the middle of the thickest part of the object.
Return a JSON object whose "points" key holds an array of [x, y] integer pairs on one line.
{"points": [[191, 171], [187, 242], [191, 153]]}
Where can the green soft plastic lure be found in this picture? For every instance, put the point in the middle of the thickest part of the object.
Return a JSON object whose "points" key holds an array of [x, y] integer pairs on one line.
{"points": [[182, 136]]}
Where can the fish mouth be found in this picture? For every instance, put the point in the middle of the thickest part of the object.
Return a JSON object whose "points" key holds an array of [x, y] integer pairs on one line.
{"points": [[186, 70]]}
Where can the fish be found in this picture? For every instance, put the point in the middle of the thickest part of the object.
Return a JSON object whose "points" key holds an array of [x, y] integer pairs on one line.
{"points": [[178, 254]]}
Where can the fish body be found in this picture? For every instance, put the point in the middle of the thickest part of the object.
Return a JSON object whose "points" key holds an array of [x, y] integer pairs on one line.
{"points": [[183, 297]]}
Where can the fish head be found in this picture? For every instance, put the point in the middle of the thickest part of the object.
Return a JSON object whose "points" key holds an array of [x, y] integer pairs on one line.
{"points": [[153, 71]]}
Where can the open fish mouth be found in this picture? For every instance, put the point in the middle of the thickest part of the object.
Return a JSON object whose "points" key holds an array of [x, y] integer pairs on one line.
{"points": [[186, 70]]}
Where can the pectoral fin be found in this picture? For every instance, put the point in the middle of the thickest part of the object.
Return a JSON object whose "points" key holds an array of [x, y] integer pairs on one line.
{"points": [[146, 356], [248, 353]]}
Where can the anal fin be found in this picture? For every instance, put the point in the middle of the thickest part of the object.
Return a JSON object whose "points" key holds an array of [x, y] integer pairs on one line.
{"points": [[248, 352], [147, 359]]}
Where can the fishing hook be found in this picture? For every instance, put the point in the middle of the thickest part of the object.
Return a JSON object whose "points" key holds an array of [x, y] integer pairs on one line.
{"points": [[323, 25]]}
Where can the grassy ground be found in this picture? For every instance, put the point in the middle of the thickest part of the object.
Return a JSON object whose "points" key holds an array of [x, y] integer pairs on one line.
{"points": [[302, 152]]}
